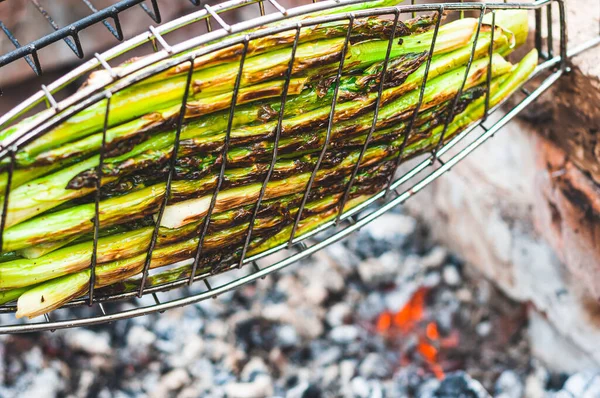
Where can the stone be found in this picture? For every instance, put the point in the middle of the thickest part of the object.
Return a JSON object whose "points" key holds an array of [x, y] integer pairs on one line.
{"points": [[192, 349], [380, 269], [344, 334], [508, 385], [261, 387], [287, 336], [338, 313], [330, 376], [360, 387], [298, 390], [373, 366], [347, 370], [94, 343], [451, 275], [432, 279], [483, 328], [329, 356], [139, 338], [460, 384], [584, 384], [216, 328], [434, 258], [255, 367], [46, 383], [173, 381]]}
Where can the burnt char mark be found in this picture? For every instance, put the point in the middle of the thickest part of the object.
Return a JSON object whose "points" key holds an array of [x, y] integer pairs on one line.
{"points": [[266, 113], [397, 71], [580, 200], [258, 94]]}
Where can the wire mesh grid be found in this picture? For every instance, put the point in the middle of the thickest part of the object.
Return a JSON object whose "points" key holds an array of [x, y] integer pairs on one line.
{"points": [[444, 155], [70, 34]]}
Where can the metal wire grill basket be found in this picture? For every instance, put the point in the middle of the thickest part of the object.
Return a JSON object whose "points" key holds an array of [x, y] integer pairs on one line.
{"points": [[445, 155]]}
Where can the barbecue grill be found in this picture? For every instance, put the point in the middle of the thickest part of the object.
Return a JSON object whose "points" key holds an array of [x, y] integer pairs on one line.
{"points": [[406, 183]]}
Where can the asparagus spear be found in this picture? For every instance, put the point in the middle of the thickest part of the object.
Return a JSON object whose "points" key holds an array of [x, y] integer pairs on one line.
{"points": [[398, 70], [52, 294], [299, 101], [362, 29], [159, 148], [24, 272], [75, 220], [138, 100]]}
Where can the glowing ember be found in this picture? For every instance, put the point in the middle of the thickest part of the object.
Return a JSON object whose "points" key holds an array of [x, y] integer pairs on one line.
{"points": [[411, 321]]}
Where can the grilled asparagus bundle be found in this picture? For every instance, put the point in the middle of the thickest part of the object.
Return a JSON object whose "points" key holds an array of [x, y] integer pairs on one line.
{"points": [[48, 241]]}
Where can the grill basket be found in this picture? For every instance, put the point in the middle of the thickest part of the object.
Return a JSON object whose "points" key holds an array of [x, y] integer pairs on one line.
{"points": [[554, 63]]}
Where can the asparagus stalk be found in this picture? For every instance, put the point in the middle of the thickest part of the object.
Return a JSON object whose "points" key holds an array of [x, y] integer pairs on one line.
{"points": [[24, 272], [159, 148], [362, 29], [50, 191], [52, 294], [76, 219], [398, 70], [138, 100], [119, 138]]}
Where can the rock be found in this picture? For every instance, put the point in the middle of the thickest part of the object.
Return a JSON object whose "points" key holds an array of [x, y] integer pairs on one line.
{"points": [[391, 227], [483, 328], [329, 356], [139, 338], [380, 269], [584, 384], [287, 336], [347, 370], [316, 292], [460, 384], [342, 256], [373, 366], [46, 383], [255, 367], [338, 314], [86, 381], [191, 349], [34, 359], [216, 328], [217, 349], [464, 295], [435, 258], [451, 275], [376, 389], [360, 387], [432, 279], [330, 376], [429, 388], [94, 343], [173, 381], [298, 390], [508, 385], [344, 334], [260, 387]]}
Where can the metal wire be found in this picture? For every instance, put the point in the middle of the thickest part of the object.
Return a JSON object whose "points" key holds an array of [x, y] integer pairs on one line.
{"points": [[181, 53], [284, 94], [224, 152], [313, 175], [440, 12], [452, 111], [375, 117], [70, 34], [99, 173]]}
